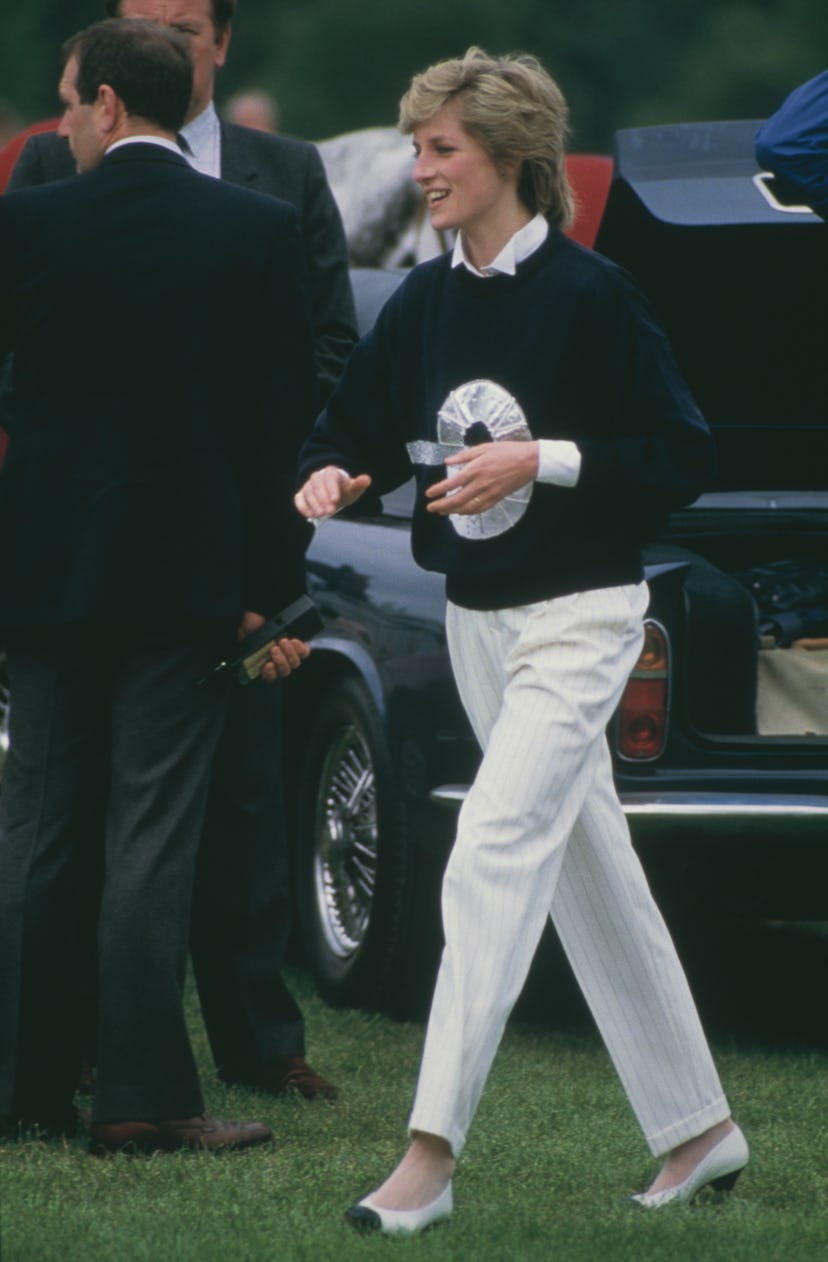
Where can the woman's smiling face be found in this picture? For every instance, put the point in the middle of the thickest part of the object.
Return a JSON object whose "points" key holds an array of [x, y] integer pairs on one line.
{"points": [[461, 184]]}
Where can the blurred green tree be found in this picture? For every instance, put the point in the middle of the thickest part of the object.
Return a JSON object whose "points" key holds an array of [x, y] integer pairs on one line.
{"points": [[337, 65], [30, 38]]}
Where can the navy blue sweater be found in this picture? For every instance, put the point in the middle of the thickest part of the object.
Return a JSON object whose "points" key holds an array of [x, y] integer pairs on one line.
{"points": [[577, 345]]}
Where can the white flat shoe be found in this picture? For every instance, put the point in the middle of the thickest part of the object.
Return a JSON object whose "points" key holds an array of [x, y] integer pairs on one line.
{"points": [[720, 1168], [371, 1217]]}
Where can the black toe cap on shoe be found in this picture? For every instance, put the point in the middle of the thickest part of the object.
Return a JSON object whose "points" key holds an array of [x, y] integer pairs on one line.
{"points": [[363, 1218]]}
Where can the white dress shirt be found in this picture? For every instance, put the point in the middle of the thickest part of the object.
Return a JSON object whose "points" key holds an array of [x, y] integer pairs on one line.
{"points": [[161, 141], [203, 135]]}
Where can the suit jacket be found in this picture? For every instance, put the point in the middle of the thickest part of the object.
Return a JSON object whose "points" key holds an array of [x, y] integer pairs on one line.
{"points": [[162, 382], [10, 152], [290, 169]]}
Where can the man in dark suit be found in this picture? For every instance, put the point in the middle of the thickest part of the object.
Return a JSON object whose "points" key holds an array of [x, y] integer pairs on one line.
{"points": [[286, 168], [241, 918], [145, 513]]}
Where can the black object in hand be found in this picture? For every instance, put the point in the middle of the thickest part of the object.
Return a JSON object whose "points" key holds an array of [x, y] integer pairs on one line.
{"points": [[297, 621]]}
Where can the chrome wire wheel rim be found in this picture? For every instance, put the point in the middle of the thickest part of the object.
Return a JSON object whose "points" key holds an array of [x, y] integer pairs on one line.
{"points": [[346, 842]]}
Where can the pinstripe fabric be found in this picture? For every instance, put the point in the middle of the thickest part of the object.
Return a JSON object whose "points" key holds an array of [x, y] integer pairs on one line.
{"points": [[542, 833]]}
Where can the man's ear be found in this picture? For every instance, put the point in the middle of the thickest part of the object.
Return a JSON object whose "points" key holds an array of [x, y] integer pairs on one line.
{"points": [[222, 44], [109, 106]]}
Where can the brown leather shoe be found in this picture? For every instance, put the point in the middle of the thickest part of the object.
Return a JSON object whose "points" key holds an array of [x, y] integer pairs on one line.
{"points": [[205, 1132], [293, 1073], [286, 1075]]}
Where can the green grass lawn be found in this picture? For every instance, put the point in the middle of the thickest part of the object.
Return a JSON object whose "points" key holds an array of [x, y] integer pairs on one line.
{"points": [[552, 1157]]}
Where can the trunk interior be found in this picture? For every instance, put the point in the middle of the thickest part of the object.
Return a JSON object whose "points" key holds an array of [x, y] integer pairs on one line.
{"points": [[755, 606]]}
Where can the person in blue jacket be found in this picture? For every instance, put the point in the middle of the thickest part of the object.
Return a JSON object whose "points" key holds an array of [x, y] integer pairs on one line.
{"points": [[793, 143]]}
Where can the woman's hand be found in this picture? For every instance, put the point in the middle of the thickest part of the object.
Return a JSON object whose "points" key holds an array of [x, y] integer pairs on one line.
{"points": [[327, 490], [485, 475]]}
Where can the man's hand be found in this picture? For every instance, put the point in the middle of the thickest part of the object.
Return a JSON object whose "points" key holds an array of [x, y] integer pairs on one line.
{"points": [[485, 475], [327, 490], [250, 622], [286, 655]]}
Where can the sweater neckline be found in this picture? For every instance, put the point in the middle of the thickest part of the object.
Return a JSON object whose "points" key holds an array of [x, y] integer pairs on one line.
{"points": [[525, 268]]}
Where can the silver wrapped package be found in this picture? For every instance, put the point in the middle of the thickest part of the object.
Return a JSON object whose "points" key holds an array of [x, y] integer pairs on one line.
{"points": [[470, 406]]}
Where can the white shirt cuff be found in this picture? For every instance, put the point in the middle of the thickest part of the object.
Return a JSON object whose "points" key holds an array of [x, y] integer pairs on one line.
{"points": [[559, 461]]}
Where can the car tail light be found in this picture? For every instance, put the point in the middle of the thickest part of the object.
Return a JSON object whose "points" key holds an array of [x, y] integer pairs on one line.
{"points": [[642, 714]]}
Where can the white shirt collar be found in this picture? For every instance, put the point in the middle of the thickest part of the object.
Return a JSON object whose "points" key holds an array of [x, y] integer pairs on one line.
{"points": [[161, 141], [524, 242], [203, 135]]}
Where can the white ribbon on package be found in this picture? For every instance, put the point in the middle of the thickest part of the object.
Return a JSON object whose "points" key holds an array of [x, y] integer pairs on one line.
{"points": [[476, 403]]}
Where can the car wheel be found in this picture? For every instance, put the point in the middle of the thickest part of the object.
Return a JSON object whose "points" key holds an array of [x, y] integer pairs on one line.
{"points": [[351, 866]]}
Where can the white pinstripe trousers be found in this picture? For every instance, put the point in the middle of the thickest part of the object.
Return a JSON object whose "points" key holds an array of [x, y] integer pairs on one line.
{"points": [[541, 833]]}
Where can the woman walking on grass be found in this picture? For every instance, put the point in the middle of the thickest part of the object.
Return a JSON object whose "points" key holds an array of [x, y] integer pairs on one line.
{"points": [[525, 382]]}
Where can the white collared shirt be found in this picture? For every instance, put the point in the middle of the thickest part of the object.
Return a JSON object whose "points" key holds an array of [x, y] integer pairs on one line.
{"points": [[203, 135], [161, 141], [524, 242], [559, 460]]}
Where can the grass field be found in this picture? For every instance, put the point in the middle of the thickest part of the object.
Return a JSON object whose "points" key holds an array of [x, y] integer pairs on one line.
{"points": [[552, 1157]]}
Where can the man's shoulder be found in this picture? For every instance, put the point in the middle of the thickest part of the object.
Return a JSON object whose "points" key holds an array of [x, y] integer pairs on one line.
{"points": [[266, 148], [48, 142], [40, 200], [51, 149], [11, 150], [44, 157], [252, 206]]}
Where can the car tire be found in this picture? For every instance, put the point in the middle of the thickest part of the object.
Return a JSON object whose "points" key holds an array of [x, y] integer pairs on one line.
{"points": [[352, 862]]}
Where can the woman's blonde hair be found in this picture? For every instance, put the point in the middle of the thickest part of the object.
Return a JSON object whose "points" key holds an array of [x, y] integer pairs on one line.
{"points": [[514, 109]]}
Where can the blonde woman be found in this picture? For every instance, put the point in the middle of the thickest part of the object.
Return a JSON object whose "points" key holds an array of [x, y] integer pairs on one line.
{"points": [[525, 382]]}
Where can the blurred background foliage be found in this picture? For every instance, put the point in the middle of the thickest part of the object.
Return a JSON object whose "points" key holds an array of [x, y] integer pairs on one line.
{"points": [[338, 65]]}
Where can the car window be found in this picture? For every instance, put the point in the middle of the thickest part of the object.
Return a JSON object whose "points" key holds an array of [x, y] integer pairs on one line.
{"points": [[400, 503], [372, 287]]}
